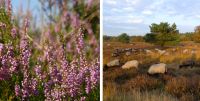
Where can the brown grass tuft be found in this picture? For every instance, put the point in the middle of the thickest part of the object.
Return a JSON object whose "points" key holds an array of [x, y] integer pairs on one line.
{"points": [[178, 86], [187, 97], [143, 82]]}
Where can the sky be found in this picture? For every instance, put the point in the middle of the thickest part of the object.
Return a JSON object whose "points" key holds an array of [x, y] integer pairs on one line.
{"points": [[34, 6], [134, 16]]}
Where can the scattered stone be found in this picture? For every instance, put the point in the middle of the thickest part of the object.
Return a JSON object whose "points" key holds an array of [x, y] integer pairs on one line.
{"points": [[113, 63], [157, 69], [148, 51], [128, 53], [131, 64], [185, 51]]}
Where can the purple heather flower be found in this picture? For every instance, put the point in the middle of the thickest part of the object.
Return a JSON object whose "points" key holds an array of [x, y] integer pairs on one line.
{"points": [[14, 65], [17, 90], [80, 41], [1, 47], [14, 32], [88, 85], [38, 71], [83, 98], [75, 21], [4, 74]]}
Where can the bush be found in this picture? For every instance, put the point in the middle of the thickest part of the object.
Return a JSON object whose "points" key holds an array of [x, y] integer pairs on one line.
{"points": [[124, 38]]}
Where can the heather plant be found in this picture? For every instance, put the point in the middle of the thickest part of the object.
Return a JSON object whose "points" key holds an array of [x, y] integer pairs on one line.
{"points": [[63, 66], [178, 86], [143, 82]]}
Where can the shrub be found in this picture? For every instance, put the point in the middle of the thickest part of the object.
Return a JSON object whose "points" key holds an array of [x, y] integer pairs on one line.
{"points": [[124, 38]]}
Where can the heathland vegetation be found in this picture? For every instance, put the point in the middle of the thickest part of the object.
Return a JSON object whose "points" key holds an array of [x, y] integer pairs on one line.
{"points": [[56, 59], [162, 65]]}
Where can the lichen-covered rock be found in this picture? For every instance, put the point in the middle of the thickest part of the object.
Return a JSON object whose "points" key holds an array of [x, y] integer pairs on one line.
{"points": [[131, 64]]}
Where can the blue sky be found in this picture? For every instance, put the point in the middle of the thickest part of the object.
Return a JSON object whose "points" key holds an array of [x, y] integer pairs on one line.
{"points": [[135, 16], [34, 5]]}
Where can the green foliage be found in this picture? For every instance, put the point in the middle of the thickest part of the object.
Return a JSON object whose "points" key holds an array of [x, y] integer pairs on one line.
{"points": [[150, 37], [124, 38], [5, 36], [163, 34]]}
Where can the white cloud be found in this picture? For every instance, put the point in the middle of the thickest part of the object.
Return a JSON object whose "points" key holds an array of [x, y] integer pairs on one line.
{"points": [[128, 19], [133, 2], [128, 9], [135, 21], [147, 12], [197, 16], [171, 12], [116, 10], [156, 4], [111, 2]]}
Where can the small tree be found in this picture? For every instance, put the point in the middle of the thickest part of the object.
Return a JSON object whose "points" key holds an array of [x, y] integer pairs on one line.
{"points": [[124, 38], [150, 37], [163, 34]]}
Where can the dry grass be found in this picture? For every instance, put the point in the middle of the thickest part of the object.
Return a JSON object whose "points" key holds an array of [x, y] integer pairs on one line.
{"points": [[143, 82], [112, 93], [178, 86]]}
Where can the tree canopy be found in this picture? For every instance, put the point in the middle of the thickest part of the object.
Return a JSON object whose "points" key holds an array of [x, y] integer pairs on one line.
{"points": [[124, 38], [163, 34]]}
